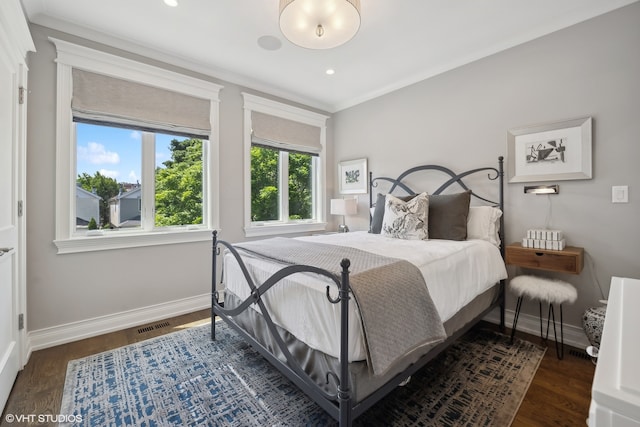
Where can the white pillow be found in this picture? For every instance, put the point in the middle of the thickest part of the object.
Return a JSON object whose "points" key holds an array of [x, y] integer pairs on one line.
{"points": [[483, 223], [406, 220]]}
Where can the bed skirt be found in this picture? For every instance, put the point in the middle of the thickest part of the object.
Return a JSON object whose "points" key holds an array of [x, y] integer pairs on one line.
{"points": [[317, 364]]}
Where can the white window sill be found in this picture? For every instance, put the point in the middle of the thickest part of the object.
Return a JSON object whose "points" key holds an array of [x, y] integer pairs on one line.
{"points": [[117, 240], [267, 229]]}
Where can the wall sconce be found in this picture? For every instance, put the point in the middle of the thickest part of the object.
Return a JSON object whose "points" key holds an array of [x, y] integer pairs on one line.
{"points": [[542, 189], [344, 207]]}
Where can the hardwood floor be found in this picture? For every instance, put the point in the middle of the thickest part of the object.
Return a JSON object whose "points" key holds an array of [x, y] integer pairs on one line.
{"points": [[558, 396]]}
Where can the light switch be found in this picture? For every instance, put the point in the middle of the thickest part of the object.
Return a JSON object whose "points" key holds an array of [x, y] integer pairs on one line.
{"points": [[620, 194]]}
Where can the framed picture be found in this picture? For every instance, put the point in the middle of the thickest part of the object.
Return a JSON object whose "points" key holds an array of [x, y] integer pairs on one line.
{"points": [[550, 152], [352, 177]]}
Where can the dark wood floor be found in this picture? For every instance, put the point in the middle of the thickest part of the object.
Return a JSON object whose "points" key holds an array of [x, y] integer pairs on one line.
{"points": [[558, 396]]}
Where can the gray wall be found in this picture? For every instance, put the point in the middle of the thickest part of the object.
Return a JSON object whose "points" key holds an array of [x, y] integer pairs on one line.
{"points": [[460, 119], [75, 287]]}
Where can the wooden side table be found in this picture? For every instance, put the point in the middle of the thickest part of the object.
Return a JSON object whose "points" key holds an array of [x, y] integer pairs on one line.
{"points": [[570, 260]]}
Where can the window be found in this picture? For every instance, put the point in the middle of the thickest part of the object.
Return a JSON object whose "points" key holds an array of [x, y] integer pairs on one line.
{"points": [[285, 168], [137, 153], [282, 185], [109, 165]]}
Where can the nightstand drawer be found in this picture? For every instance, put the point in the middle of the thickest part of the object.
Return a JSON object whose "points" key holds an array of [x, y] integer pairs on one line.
{"points": [[569, 260]]}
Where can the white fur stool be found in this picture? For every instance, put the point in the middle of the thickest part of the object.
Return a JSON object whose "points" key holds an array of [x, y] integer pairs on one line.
{"points": [[550, 291]]}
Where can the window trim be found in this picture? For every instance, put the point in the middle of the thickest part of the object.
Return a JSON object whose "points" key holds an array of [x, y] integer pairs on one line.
{"points": [[278, 109], [71, 56]]}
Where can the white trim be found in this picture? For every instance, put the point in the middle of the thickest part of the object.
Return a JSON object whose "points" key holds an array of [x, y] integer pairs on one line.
{"points": [[14, 32], [270, 229], [61, 334], [107, 240], [88, 59], [71, 56], [530, 324], [278, 109]]}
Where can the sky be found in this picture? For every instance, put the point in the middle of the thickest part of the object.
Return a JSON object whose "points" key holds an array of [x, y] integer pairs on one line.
{"points": [[115, 152]]}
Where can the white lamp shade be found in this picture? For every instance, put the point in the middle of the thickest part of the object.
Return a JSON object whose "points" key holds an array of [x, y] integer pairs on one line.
{"points": [[319, 24], [344, 207]]}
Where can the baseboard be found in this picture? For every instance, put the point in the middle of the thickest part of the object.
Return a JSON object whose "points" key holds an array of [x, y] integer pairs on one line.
{"points": [[573, 335], [56, 335]]}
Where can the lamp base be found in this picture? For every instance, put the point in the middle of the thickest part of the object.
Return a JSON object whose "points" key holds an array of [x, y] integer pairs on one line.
{"points": [[342, 228]]}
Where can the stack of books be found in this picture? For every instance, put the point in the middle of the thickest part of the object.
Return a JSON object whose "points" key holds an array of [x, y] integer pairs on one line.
{"points": [[544, 239]]}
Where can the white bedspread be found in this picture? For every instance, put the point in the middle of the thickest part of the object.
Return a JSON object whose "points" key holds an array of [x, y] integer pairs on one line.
{"points": [[455, 273]]}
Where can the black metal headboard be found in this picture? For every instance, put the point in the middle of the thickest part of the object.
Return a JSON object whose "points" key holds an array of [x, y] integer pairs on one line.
{"points": [[493, 174]]}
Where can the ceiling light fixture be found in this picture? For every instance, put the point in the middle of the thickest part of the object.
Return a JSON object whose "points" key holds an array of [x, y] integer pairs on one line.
{"points": [[330, 71], [319, 24], [172, 3]]}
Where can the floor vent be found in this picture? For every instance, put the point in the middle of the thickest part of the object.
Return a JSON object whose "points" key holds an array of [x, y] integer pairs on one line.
{"points": [[579, 354], [153, 327]]}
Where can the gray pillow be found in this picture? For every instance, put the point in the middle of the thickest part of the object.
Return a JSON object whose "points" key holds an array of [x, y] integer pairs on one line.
{"points": [[448, 215]]}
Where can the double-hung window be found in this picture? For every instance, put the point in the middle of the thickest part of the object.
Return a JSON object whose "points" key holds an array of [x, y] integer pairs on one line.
{"points": [[284, 168], [137, 153]]}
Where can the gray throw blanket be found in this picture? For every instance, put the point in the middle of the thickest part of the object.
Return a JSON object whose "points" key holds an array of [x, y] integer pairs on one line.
{"points": [[398, 315]]}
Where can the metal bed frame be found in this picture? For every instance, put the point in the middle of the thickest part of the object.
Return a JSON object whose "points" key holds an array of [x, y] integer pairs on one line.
{"points": [[342, 406]]}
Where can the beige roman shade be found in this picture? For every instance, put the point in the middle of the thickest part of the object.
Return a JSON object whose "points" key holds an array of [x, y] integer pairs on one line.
{"points": [[102, 99], [284, 134]]}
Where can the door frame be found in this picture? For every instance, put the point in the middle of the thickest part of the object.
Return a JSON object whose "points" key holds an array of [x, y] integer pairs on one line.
{"points": [[16, 43]]}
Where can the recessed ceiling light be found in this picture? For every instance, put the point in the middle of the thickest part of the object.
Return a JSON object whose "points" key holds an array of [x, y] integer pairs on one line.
{"points": [[330, 71], [172, 3]]}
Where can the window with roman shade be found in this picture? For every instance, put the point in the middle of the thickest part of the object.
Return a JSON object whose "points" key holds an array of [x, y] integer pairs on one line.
{"points": [[285, 168], [144, 117]]}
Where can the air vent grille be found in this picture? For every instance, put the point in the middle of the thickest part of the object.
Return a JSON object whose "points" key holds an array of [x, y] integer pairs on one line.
{"points": [[153, 327]]}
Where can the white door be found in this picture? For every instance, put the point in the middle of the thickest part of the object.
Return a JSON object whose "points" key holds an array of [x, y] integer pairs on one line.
{"points": [[9, 348], [13, 37]]}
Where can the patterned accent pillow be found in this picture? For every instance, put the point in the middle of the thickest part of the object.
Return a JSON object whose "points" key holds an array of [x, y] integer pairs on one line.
{"points": [[406, 220]]}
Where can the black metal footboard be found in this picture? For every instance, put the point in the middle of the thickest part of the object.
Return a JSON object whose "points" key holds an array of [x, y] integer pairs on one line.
{"points": [[339, 406]]}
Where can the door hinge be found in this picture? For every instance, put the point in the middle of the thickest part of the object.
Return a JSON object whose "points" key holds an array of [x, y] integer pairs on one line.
{"points": [[20, 321], [21, 95], [20, 208]]}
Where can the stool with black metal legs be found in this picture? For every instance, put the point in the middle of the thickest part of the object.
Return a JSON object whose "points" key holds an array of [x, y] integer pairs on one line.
{"points": [[550, 291]]}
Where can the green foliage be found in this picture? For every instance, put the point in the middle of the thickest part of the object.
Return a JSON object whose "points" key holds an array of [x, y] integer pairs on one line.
{"points": [[93, 225], [104, 187], [265, 184], [300, 186], [179, 185]]}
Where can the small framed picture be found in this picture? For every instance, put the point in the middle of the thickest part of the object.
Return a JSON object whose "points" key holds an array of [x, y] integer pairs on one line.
{"points": [[352, 176], [550, 152]]}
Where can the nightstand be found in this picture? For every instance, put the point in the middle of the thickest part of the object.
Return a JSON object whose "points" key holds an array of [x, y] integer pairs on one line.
{"points": [[570, 260]]}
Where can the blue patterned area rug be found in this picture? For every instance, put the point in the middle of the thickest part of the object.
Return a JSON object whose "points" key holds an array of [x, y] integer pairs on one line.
{"points": [[185, 379]]}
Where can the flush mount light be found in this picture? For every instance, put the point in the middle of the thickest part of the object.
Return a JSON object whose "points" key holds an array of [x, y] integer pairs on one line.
{"points": [[172, 3], [319, 24], [330, 71], [542, 189]]}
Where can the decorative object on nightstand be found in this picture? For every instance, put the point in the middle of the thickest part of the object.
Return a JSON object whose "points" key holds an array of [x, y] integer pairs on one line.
{"points": [[344, 207], [545, 290], [544, 239]]}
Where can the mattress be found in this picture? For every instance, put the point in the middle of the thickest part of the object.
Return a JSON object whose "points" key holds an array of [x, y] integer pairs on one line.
{"points": [[455, 273]]}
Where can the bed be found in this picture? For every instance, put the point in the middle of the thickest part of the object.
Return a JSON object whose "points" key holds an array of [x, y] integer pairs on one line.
{"points": [[331, 311]]}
